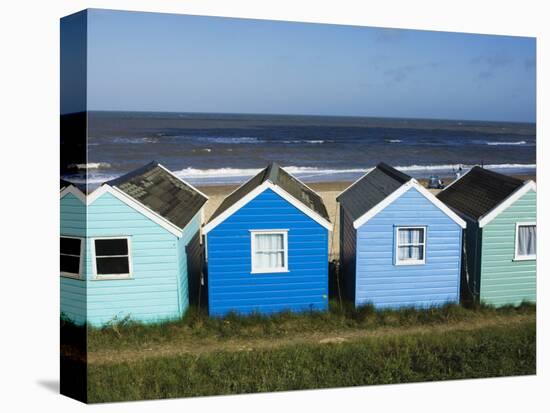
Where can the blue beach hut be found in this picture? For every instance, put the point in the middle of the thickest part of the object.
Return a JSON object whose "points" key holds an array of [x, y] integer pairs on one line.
{"points": [[267, 247], [126, 247], [399, 245]]}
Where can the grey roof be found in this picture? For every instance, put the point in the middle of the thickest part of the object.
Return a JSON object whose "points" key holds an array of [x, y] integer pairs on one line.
{"points": [[162, 192], [371, 189], [277, 176], [478, 192]]}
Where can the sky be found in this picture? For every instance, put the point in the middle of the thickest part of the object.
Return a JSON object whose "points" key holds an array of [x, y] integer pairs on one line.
{"points": [[177, 63]]}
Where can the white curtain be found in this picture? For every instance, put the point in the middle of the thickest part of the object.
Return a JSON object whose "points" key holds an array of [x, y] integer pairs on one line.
{"points": [[410, 244], [269, 251], [527, 240]]}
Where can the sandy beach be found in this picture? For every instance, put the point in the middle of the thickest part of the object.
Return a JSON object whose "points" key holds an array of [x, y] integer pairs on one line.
{"points": [[327, 190]]}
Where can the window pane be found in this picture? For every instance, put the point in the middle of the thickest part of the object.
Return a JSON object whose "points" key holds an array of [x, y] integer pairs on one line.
{"points": [[268, 242], [411, 253], [70, 246], [411, 236], [112, 265], [269, 260], [111, 246], [70, 264], [527, 240]]}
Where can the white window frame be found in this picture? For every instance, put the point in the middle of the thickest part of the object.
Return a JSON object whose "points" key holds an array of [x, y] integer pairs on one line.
{"points": [[397, 261], [82, 245], [284, 268], [97, 276], [523, 257]]}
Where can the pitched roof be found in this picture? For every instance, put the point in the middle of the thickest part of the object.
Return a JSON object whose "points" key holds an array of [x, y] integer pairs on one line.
{"points": [[277, 176], [479, 191], [162, 192], [371, 189]]}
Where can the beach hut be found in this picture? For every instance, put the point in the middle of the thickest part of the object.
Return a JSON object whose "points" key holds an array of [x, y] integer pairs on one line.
{"points": [[399, 245], [267, 247], [499, 264], [126, 247]]}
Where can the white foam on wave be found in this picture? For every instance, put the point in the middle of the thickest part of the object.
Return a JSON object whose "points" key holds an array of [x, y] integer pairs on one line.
{"points": [[309, 171], [506, 143], [232, 140], [91, 165], [394, 140], [308, 141]]}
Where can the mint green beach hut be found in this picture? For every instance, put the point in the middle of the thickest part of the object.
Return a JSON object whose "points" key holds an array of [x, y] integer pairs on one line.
{"points": [[499, 255], [130, 247]]}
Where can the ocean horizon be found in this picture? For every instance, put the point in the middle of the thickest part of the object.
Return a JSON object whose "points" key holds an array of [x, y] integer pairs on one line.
{"points": [[213, 149]]}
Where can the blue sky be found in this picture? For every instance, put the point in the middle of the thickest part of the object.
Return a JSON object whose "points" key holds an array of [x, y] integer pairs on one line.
{"points": [[164, 62]]}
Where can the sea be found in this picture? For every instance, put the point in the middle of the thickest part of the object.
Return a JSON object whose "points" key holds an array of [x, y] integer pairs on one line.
{"points": [[213, 149]]}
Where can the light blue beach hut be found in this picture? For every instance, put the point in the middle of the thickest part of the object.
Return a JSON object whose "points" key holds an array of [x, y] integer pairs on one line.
{"points": [[399, 245], [127, 246], [267, 247]]}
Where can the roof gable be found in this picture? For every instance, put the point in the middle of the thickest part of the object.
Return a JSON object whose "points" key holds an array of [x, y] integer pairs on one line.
{"points": [[478, 192], [371, 189], [281, 182], [159, 190]]}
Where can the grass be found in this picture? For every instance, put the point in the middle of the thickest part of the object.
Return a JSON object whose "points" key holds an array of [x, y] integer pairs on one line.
{"points": [[196, 324], [502, 350]]}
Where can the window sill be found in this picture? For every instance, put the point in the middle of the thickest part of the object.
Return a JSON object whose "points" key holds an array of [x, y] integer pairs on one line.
{"points": [[406, 264], [525, 258], [72, 276], [112, 277], [269, 271]]}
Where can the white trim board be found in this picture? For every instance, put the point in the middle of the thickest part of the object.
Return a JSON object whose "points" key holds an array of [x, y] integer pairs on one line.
{"points": [[406, 262], [184, 182], [257, 191], [253, 268], [458, 179], [71, 189], [101, 277], [513, 197], [80, 274], [413, 183], [121, 196], [523, 257]]}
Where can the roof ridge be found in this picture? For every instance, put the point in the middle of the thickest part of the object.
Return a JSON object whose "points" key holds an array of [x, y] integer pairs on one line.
{"points": [[131, 174], [393, 172], [497, 175]]}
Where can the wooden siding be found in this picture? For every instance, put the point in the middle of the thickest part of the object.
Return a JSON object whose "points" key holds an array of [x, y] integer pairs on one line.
{"points": [[232, 287], [471, 262], [190, 232], [503, 280], [154, 292], [347, 253], [73, 292], [380, 282]]}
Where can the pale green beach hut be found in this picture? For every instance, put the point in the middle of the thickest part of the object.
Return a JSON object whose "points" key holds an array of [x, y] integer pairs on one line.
{"points": [[499, 254]]}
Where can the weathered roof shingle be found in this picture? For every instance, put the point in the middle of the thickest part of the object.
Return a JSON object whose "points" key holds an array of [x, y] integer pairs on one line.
{"points": [[277, 176], [162, 192], [478, 192], [371, 189]]}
